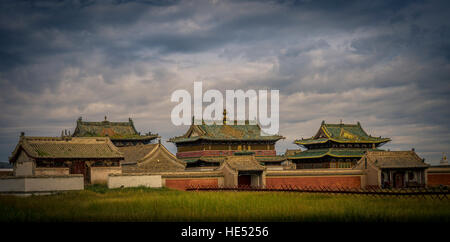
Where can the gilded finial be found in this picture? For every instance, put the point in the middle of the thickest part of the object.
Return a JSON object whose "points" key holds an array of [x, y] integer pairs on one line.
{"points": [[224, 116]]}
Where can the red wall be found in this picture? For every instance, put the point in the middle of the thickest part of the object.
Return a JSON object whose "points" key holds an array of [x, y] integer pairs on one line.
{"points": [[182, 184], [316, 181], [438, 179]]}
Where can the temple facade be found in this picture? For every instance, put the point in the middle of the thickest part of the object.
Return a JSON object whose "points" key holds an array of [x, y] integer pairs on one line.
{"points": [[207, 145], [120, 133], [335, 146], [94, 158], [226, 154], [393, 169]]}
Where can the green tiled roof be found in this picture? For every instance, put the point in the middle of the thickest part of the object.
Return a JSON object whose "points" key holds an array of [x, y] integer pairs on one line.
{"points": [[341, 133], [226, 132], [113, 130], [334, 152]]}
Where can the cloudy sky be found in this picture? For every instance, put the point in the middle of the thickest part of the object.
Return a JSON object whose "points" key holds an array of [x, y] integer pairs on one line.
{"points": [[383, 63]]}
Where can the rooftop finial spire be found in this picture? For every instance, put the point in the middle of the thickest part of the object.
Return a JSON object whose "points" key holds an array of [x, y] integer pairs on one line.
{"points": [[225, 116], [443, 160]]}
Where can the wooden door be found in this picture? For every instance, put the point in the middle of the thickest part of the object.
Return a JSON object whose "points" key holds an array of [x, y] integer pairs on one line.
{"points": [[79, 167], [244, 180], [399, 178]]}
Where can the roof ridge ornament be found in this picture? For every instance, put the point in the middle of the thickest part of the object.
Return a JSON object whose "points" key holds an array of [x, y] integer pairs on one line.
{"points": [[225, 116]]}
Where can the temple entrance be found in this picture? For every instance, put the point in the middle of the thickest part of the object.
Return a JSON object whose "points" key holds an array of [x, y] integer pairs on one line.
{"points": [[243, 171], [244, 180], [79, 167], [399, 180]]}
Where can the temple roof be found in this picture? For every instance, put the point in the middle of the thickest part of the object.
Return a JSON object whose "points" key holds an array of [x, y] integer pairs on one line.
{"points": [[66, 147], [133, 154], [243, 163], [150, 158], [113, 130], [341, 133], [333, 152], [393, 159], [225, 132]]}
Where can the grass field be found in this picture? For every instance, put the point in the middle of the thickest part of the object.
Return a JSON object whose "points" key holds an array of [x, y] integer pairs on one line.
{"points": [[143, 204]]}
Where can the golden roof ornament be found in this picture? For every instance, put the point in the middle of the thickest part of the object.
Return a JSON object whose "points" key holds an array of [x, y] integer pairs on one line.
{"points": [[224, 116], [444, 159]]}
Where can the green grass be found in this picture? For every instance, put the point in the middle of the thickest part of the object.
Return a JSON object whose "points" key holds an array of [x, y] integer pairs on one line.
{"points": [[97, 203]]}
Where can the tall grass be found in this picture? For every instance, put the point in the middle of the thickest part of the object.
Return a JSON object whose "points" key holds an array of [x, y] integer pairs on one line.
{"points": [[97, 203]]}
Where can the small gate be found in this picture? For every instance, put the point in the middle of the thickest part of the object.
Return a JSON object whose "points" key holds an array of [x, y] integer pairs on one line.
{"points": [[79, 167], [244, 180]]}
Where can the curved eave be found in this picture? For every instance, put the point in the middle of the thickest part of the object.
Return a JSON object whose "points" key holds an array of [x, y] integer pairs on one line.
{"points": [[302, 142], [176, 140], [135, 138], [81, 157], [320, 156], [328, 153]]}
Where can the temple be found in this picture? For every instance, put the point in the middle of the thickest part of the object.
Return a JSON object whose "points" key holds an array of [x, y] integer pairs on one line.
{"points": [[94, 158], [335, 146], [207, 145], [228, 154], [120, 133]]}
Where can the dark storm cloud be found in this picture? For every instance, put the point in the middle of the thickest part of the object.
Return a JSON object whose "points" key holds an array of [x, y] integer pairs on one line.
{"points": [[384, 63]]}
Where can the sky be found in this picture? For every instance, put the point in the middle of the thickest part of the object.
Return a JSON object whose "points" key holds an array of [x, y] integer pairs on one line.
{"points": [[385, 64]]}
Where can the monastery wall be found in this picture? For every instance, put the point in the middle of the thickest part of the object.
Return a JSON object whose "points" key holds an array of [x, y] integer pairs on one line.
{"points": [[437, 176], [32, 184], [316, 178], [183, 180], [134, 180], [99, 175], [51, 171]]}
